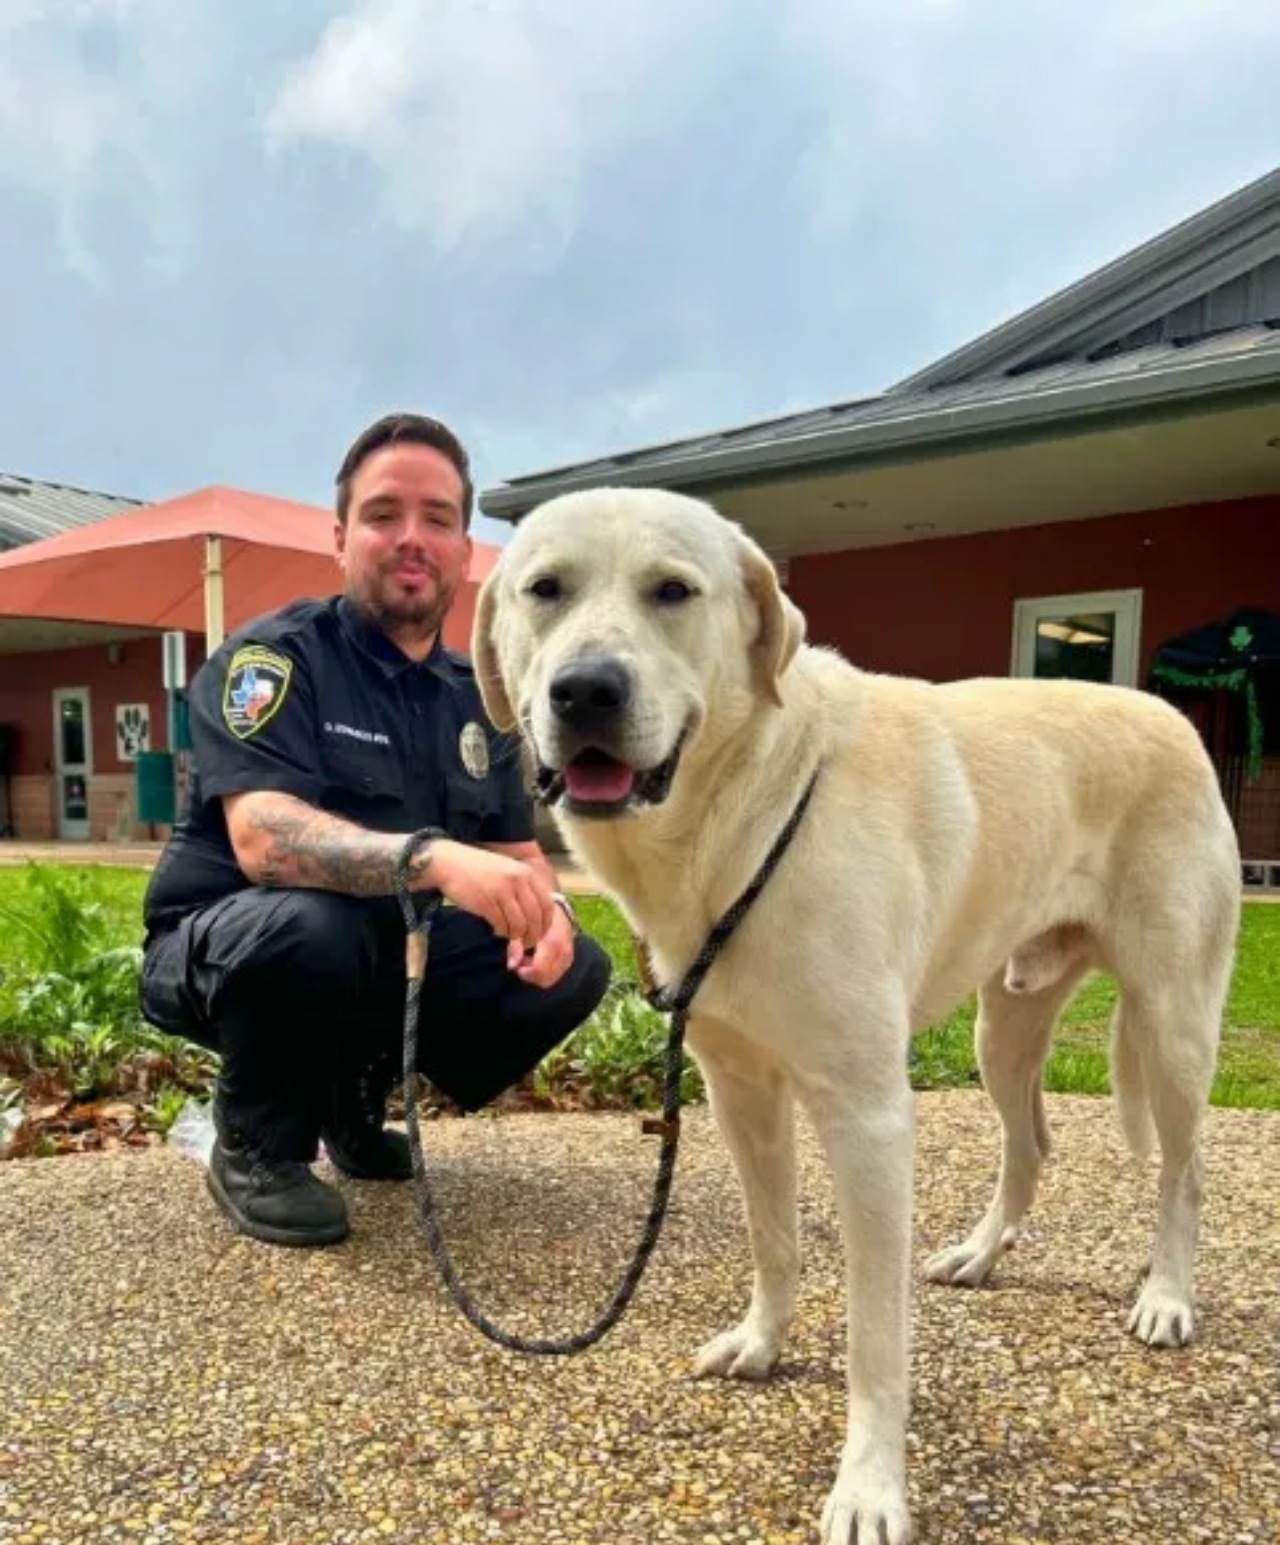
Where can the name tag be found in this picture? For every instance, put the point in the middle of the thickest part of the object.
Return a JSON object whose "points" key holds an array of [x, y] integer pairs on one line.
{"points": [[350, 732]]}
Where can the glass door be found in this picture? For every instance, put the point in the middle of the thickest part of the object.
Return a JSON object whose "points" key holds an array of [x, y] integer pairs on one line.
{"points": [[1090, 637], [72, 761]]}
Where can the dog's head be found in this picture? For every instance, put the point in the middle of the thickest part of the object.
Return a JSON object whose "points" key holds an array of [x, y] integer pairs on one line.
{"points": [[620, 627]]}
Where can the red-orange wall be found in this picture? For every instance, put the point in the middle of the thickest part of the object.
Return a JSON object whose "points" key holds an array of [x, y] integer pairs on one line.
{"points": [[943, 609], [27, 683]]}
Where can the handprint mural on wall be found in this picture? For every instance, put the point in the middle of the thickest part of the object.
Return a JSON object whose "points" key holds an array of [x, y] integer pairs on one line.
{"points": [[133, 730]]}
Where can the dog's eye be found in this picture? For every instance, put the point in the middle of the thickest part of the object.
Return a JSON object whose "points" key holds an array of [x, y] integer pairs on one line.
{"points": [[672, 591], [546, 587]]}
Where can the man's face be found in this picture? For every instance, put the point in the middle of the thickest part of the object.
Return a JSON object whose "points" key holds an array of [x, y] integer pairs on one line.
{"points": [[404, 550]]}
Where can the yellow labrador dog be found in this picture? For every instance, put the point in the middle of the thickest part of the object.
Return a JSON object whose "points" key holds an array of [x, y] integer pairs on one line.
{"points": [[1008, 836]]}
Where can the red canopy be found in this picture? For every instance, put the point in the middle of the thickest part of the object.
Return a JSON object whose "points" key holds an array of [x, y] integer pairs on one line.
{"points": [[148, 568]]}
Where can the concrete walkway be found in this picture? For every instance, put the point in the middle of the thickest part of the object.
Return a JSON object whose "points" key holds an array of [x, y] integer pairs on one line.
{"points": [[163, 1381]]}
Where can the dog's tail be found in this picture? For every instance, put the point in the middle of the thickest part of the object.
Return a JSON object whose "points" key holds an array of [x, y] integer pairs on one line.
{"points": [[1130, 1084]]}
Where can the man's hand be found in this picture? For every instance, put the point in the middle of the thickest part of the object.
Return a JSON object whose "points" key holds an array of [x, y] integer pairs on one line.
{"points": [[512, 897], [283, 841], [551, 959]]}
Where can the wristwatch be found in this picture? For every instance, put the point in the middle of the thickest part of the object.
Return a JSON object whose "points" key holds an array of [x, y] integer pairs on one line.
{"points": [[566, 906]]}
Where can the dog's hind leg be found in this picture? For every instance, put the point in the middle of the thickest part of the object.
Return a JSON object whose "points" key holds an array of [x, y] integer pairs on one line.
{"points": [[1172, 947], [1175, 1036], [754, 1110], [1014, 1032]]}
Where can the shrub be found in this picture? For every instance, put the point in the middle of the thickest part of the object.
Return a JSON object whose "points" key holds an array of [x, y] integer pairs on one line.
{"points": [[69, 997]]}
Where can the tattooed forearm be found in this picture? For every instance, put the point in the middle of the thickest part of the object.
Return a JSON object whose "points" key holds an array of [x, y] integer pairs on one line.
{"points": [[283, 841]]}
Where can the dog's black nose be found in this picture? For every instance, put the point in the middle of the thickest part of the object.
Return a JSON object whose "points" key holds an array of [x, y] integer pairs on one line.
{"points": [[590, 693]]}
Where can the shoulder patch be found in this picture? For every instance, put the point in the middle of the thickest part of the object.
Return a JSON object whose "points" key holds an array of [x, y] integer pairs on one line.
{"points": [[256, 686]]}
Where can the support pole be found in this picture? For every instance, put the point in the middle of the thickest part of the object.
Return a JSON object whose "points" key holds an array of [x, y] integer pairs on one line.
{"points": [[213, 610]]}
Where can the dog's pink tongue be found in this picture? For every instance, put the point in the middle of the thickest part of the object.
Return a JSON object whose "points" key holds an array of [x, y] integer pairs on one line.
{"points": [[598, 780]]}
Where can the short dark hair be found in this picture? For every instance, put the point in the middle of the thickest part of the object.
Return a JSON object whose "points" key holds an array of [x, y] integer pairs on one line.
{"points": [[404, 429]]}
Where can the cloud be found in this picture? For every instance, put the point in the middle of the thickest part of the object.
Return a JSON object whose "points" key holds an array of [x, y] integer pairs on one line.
{"points": [[985, 152], [572, 227], [95, 100], [58, 121], [480, 120]]}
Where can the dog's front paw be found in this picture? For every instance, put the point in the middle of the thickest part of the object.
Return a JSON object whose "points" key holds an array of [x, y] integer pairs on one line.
{"points": [[741, 1353], [1162, 1317], [866, 1509]]}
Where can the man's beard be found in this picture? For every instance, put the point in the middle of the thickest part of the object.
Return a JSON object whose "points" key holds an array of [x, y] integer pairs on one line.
{"points": [[420, 613]]}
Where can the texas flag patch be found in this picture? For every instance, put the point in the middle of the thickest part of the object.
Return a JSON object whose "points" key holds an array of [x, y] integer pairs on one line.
{"points": [[257, 683]]}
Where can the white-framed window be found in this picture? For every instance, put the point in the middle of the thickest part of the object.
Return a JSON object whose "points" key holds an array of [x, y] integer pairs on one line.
{"points": [[1094, 636]]}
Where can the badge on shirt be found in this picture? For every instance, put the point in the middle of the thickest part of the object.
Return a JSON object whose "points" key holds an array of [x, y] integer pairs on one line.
{"points": [[473, 743], [257, 682]]}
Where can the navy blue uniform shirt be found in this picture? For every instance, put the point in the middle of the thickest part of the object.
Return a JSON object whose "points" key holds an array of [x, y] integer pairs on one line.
{"points": [[315, 701]]}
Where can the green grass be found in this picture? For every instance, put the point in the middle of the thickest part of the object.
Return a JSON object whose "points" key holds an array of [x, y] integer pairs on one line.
{"points": [[943, 1056], [117, 891], [606, 925], [616, 1058], [1255, 988], [1248, 1063]]}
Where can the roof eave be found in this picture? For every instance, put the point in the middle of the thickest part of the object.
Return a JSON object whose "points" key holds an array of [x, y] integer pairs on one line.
{"points": [[922, 428]]}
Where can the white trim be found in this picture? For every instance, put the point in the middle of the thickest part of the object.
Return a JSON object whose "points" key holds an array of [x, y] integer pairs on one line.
{"points": [[71, 831], [1125, 604]]}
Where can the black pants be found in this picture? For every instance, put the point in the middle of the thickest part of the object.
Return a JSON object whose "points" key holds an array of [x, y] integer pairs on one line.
{"points": [[301, 992]]}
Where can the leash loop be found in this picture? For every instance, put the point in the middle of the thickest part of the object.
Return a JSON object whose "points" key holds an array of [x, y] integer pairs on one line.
{"points": [[675, 1001]]}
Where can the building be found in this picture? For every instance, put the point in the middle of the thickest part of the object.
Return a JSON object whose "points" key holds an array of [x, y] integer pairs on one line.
{"points": [[1059, 497], [90, 588]]}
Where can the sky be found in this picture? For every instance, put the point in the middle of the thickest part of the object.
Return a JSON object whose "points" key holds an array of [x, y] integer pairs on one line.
{"points": [[233, 232]]}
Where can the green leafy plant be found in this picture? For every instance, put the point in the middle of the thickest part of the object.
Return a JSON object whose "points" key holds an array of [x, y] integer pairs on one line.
{"points": [[60, 922], [70, 1028], [617, 1058], [69, 998], [73, 990], [166, 1106]]}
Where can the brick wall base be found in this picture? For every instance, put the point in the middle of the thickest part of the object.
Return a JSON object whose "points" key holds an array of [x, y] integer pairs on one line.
{"points": [[112, 810], [31, 798], [112, 803]]}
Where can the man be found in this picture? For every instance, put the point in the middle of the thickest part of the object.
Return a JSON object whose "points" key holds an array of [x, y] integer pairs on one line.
{"points": [[325, 734]]}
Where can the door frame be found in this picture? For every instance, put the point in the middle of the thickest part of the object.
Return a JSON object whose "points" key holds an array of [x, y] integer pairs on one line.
{"points": [[71, 831], [1126, 605]]}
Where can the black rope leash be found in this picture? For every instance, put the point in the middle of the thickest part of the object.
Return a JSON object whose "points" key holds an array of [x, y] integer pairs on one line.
{"points": [[675, 1001]]}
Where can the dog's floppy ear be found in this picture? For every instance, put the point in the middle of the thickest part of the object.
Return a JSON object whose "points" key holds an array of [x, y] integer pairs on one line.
{"points": [[781, 624], [484, 655]]}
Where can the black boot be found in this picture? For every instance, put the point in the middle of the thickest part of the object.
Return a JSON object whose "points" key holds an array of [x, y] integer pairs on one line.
{"points": [[277, 1201], [373, 1154], [355, 1138]]}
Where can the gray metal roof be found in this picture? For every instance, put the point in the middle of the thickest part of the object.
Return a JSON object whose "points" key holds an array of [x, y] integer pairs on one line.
{"points": [[30, 510], [1230, 237], [1188, 316], [1161, 376]]}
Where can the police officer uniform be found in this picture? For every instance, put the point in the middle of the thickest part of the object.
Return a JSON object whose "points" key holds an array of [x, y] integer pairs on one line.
{"points": [[302, 991]]}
